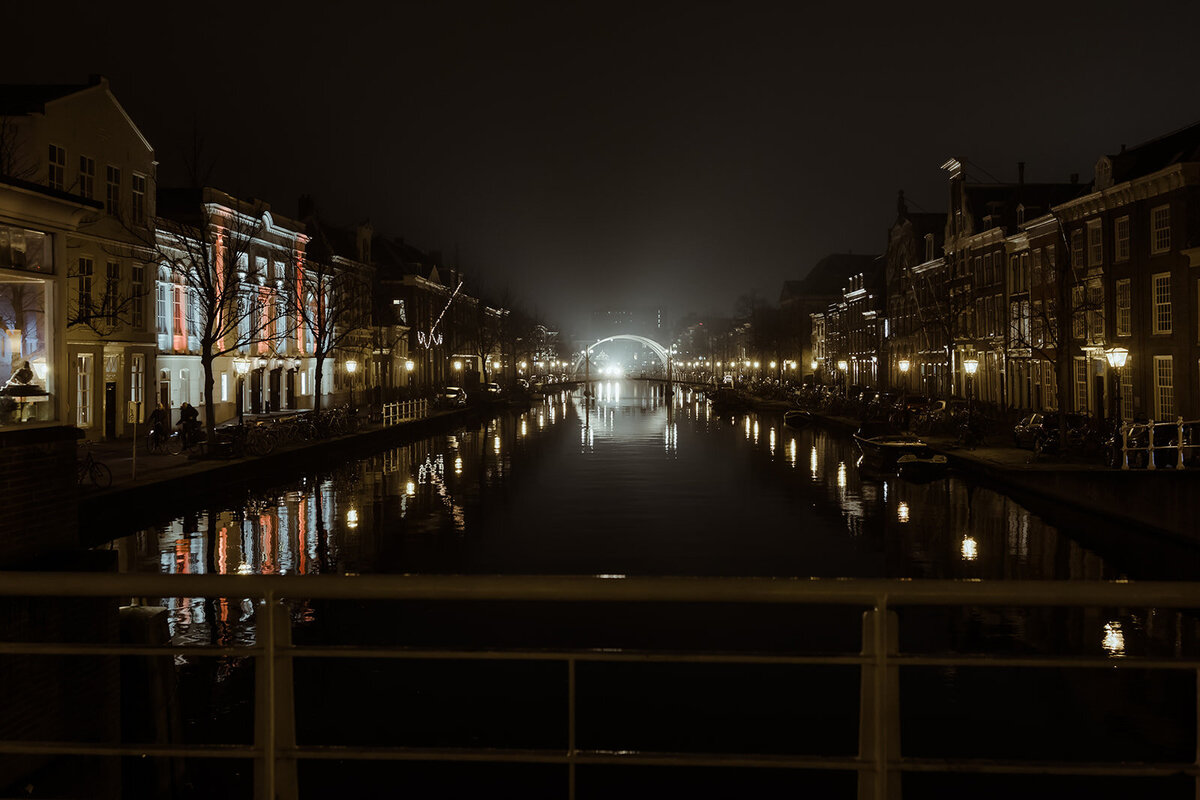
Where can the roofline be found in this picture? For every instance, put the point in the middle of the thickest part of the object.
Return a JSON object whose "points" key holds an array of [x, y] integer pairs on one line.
{"points": [[103, 85]]}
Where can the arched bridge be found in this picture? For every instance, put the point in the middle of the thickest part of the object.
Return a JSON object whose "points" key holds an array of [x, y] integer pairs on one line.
{"points": [[654, 346]]}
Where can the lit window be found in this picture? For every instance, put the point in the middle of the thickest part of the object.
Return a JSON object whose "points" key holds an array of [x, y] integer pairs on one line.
{"points": [[84, 279], [1160, 229], [56, 176], [1124, 306], [224, 387], [1164, 388], [136, 289], [83, 390], [137, 376], [1095, 243], [1162, 303], [1121, 235]]}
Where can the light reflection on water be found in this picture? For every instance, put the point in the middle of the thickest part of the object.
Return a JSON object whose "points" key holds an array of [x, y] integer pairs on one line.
{"points": [[655, 485]]}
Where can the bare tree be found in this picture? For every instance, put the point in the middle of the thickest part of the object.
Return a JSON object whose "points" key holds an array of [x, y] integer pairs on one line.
{"points": [[12, 165], [209, 252], [330, 301], [485, 331]]}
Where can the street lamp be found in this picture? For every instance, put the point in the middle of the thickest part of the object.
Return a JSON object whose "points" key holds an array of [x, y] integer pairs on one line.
{"points": [[241, 366], [351, 367], [1116, 359], [904, 364], [842, 366], [970, 365]]}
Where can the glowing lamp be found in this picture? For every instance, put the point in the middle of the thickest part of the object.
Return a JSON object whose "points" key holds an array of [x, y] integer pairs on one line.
{"points": [[409, 366], [904, 364], [970, 365], [1116, 356]]}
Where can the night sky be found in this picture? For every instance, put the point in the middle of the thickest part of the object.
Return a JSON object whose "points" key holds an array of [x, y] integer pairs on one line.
{"points": [[643, 154]]}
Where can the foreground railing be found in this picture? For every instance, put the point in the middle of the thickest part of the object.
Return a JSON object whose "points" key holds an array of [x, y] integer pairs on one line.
{"points": [[879, 763], [395, 413], [1139, 438]]}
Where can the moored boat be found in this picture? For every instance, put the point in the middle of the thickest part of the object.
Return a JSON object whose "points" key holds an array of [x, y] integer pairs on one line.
{"points": [[921, 469], [882, 446], [797, 418]]}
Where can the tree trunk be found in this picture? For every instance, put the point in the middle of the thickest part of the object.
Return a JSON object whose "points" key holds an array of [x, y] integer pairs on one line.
{"points": [[210, 412], [317, 381]]}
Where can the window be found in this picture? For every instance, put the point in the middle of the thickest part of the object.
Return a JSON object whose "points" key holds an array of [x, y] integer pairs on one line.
{"points": [[185, 386], [83, 390], [161, 308], [1036, 275], [1160, 229], [193, 314], [1078, 318], [87, 177], [112, 287], [84, 279], [224, 387], [1095, 313], [112, 192], [137, 301], [1081, 385], [1124, 306], [1077, 247], [56, 175], [303, 383], [1164, 388], [1121, 239], [1126, 393], [1051, 262], [1095, 243], [1161, 313], [137, 377], [138, 186], [177, 292]]}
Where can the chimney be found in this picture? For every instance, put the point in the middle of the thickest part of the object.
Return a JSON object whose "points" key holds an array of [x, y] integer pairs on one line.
{"points": [[1020, 173]]}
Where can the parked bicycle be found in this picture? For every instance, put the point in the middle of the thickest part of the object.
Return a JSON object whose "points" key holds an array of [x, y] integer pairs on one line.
{"points": [[88, 467], [190, 437]]}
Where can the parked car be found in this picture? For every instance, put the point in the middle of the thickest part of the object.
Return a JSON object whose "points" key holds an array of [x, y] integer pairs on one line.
{"points": [[491, 389], [451, 397], [1043, 428]]}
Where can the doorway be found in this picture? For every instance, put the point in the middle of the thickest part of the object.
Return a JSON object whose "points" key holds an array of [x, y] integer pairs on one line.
{"points": [[275, 381], [290, 389], [256, 391]]}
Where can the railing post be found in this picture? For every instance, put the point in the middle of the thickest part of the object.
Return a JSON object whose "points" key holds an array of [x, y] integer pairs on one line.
{"points": [[1150, 445], [274, 706], [571, 729], [1179, 442], [879, 707], [1124, 447]]}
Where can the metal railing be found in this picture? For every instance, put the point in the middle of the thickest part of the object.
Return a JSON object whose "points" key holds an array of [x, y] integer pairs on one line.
{"points": [[405, 410], [1179, 432], [879, 763]]}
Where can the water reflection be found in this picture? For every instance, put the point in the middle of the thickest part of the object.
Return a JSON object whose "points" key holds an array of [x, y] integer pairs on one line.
{"points": [[519, 494]]}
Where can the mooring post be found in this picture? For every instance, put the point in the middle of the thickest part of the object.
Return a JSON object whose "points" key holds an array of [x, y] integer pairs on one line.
{"points": [[879, 707]]}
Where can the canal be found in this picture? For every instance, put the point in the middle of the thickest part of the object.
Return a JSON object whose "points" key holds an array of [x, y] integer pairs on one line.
{"points": [[646, 484]]}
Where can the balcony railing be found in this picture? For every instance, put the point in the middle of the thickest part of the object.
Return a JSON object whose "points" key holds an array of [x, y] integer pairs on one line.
{"points": [[879, 763]]}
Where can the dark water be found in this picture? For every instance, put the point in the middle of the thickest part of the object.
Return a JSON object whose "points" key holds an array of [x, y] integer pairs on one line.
{"points": [[647, 485]]}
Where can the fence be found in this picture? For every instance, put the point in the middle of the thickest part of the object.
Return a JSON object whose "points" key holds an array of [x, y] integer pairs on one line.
{"points": [[1140, 439], [404, 411], [878, 765]]}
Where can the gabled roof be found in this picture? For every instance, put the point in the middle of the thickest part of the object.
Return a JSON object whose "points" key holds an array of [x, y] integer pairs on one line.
{"points": [[1002, 199], [1176, 147]]}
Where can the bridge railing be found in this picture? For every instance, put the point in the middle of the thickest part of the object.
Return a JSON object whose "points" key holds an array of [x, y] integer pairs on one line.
{"points": [[405, 410], [1142, 439], [879, 763]]}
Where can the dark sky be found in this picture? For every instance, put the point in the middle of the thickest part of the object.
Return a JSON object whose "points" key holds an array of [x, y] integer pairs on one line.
{"points": [[643, 154]]}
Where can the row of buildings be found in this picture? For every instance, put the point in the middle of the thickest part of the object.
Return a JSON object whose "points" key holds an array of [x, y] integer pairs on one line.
{"points": [[120, 294], [1028, 295]]}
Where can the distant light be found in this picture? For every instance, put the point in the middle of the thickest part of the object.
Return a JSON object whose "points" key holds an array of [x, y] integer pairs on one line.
{"points": [[458, 365], [352, 518], [970, 549], [814, 365], [410, 488], [1114, 639], [902, 512]]}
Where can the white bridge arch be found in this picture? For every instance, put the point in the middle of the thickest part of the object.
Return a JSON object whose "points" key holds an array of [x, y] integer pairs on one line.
{"points": [[654, 346]]}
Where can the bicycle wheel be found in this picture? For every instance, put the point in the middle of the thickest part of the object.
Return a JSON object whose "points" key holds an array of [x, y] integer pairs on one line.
{"points": [[101, 475], [156, 445], [259, 443], [174, 444]]}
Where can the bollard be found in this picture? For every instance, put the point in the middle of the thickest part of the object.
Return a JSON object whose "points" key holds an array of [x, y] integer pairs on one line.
{"points": [[879, 709]]}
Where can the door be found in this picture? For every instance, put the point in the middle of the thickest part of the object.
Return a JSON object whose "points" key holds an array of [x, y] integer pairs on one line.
{"points": [[256, 391], [275, 380], [290, 388], [110, 410]]}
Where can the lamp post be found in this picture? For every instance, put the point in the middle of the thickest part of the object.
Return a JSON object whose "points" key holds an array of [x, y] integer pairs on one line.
{"points": [[351, 368], [904, 364], [970, 365], [842, 366], [1116, 359], [241, 366]]}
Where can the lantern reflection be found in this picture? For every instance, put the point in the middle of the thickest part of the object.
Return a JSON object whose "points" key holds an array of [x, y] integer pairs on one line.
{"points": [[902, 511], [1114, 639], [969, 548]]}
